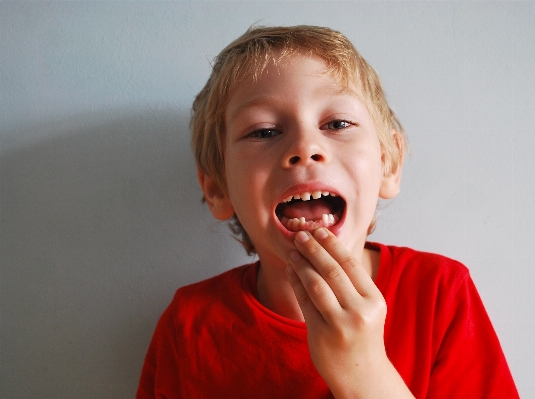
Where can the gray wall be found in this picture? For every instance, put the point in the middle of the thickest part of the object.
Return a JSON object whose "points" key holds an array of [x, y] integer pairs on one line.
{"points": [[100, 213]]}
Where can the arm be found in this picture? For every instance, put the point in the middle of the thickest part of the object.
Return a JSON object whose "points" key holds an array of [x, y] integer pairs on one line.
{"points": [[345, 314]]}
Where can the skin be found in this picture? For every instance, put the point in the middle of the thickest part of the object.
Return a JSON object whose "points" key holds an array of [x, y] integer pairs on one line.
{"points": [[293, 130]]}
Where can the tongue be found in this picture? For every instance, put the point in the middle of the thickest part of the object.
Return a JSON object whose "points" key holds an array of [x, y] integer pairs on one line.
{"points": [[310, 210]]}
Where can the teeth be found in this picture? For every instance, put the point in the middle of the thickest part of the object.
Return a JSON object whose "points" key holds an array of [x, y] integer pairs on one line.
{"points": [[306, 196], [301, 223], [295, 223]]}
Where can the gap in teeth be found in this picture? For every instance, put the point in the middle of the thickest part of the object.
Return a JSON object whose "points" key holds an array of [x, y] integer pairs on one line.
{"points": [[306, 196]]}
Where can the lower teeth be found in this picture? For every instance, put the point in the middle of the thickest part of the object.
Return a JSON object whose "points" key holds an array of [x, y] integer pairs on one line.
{"points": [[297, 224]]}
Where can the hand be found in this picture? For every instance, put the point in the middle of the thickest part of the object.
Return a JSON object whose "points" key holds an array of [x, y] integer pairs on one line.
{"points": [[344, 311]]}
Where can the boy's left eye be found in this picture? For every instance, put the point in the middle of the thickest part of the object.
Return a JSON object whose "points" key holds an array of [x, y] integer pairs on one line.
{"points": [[337, 125]]}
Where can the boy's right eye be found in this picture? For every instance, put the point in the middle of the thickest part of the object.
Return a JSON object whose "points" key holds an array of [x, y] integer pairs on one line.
{"points": [[264, 133]]}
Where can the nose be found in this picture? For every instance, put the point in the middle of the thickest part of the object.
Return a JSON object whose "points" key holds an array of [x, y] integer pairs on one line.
{"points": [[304, 148]]}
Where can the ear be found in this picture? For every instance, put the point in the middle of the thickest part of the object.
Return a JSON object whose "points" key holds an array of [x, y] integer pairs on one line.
{"points": [[216, 198], [391, 183]]}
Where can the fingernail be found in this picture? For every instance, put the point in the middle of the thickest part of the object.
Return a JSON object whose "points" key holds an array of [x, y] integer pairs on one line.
{"points": [[321, 233], [302, 237], [294, 255]]}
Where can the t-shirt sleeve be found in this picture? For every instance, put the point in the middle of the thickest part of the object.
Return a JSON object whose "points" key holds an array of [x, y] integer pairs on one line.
{"points": [[161, 361], [470, 362]]}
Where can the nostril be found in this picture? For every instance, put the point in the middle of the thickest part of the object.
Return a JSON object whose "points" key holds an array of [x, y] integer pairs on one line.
{"points": [[294, 160], [316, 157]]}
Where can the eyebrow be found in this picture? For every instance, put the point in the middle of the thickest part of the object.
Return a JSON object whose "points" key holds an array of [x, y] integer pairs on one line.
{"points": [[343, 91], [269, 100], [256, 101]]}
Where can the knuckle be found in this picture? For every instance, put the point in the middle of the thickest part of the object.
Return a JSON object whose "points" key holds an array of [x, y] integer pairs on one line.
{"points": [[342, 336], [302, 299], [380, 307], [349, 263], [363, 320], [314, 248], [333, 271], [371, 314], [317, 287]]}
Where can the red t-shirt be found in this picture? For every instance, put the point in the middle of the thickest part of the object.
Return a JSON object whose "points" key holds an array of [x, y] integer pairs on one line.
{"points": [[215, 340]]}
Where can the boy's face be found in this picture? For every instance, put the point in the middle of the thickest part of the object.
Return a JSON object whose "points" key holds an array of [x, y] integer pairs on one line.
{"points": [[296, 132]]}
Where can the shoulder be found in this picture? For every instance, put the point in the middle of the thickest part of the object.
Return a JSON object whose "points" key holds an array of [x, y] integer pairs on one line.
{"points": [[217, 296], [213, 287], [407, 266], [199, 304], [436, 322]]}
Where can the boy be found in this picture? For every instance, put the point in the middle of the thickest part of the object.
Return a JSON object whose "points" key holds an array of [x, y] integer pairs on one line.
{"points": [[295, 142]]}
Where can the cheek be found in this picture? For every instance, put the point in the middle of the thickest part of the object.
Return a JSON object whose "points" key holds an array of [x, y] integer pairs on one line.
{"points": [[366, 166], [244, 166], [247, 183]]}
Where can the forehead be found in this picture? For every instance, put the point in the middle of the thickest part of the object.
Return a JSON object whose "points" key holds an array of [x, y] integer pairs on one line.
{"points": [[295, 76]]}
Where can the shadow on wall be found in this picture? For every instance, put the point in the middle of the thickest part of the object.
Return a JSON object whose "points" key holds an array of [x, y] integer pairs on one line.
{"points": [[100, 225]]}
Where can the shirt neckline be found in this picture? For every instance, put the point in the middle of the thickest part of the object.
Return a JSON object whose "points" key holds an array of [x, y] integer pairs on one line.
{"points": [[249, 277]]}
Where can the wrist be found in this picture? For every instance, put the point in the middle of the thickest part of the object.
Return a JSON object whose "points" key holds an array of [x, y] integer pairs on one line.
{"points": [[370, 378]]}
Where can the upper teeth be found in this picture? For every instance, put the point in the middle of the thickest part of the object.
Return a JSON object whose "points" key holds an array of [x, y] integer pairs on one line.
{"points": [[306, 196]]}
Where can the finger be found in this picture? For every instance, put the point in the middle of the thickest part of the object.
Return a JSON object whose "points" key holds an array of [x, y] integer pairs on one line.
{"points": [[309, 310], [315, 286], [354, 269], [323, 270]]}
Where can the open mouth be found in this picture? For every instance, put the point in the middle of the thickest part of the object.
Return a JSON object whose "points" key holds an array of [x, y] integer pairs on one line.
{"points": [[309, 211]]}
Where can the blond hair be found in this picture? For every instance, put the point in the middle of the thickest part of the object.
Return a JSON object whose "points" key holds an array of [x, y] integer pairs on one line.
{"points": [[248, 56]]}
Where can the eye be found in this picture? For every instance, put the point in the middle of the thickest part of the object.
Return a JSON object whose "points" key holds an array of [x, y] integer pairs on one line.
{"points": [[337, 125], [264, 133]]}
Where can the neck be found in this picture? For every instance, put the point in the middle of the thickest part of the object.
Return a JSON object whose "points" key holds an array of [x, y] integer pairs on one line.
{"points": [[275, 292]]}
